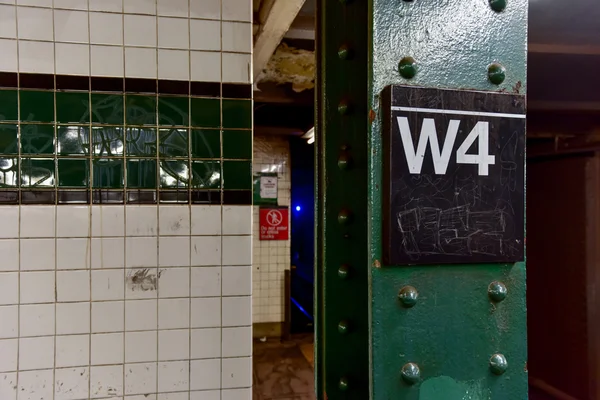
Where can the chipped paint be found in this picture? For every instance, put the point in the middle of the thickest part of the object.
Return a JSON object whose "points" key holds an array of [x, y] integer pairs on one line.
{"points": [[142, 279], [444, 387], [290, 65]]}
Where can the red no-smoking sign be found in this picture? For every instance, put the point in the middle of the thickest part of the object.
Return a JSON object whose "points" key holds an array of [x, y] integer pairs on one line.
{"points": [[274, 223]]}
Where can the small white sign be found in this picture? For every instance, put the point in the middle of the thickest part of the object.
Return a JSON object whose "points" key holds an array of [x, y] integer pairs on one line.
{"points": [[268, 187]]}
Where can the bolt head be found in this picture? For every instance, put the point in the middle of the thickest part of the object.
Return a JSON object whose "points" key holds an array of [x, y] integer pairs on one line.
{"points": [[410, 373], [497, 291], [343, 108], [496, 73], [343, 327], [498, 364], [498, 5], [344, 162], [344, 217], [408, 296], [344, 272], [343, 384], [344, 52], [407, 67]]}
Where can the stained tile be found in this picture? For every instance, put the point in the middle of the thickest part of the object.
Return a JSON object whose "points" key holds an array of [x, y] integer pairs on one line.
{"points": [[206, 143], [173, 143], [237, 144], [206, 174], [9, 172], [174, 111], [37, 139], [107, 109], [37, 172], [73, 172], [36, 106], [73, 107], [107, 173], [8, 105], [141, 142], [237, 114], [206, 113], [174, 174], [237, 175], [73, 140], [141, 174], [9, 139], [140, 110], [107, 141]]}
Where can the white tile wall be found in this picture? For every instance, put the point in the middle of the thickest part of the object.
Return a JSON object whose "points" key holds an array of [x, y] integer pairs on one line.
{"points": [[204, 40], [270, 258]]}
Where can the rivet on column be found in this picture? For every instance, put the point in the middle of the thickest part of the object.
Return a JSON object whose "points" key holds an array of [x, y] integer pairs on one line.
{"points": [[343, 384], [498, 364], [408, 296], [345, 52], [344, 272], [407, 67], [498, 5], [496, 73], [344, 161], [343, 327], [344, 217], [410, 373], [344, 108], [497, 291]]}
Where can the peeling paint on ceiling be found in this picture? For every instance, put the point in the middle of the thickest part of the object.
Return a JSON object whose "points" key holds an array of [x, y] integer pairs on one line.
{"points": [[291, 65]]}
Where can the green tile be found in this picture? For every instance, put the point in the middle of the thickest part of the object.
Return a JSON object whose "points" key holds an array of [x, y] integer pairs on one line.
{"points": [[237, 114], [141, 142], [237, 175], [206, 174], [9, 104], [206, 143], [73, 172], [37, 106], [174, 174], [206, 113], [73, 140], [107, 109], [37, 139], [108, 174], [141, 174], [9, 172], [73, 108], [140, 110], [237, 144], [174, 111], [9, 139], [173, 143], [107, 141], [37, 172]]}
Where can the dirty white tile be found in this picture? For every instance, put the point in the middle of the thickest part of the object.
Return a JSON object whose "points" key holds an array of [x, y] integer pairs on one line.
{"points": [[108, 253], [174, 282], [37, 287], [106, 381], [236, 10], [34, 23], [174, 64], [236, 394], [8, 386], [140, 63], [173, 376], [207, 9], [173, 396], [36, 385], [71, 4], [174, 251], [236, 37], [8, 48], [206, 312], [206, 395], [237, 250], [38, 221], [107, 348], [174, 8], [141, 346], [9, 215], [107, 61], [71, 26], [237, 68], [206, 281], [9, 248], [72, 351], [72, 318], [9, 288], [140, 6], [237, 281], [173, 345], [141, 252], [206, 343], [140, 30], [140, 315], [237, 220], [174, 220], [108, 220], [9, 315], [106, 28], [237, 342], [206, 220], [108, 284], [37, 254], [173, 33], [8, 22], [206, 250], [73, 286], [141, 283], [237, 311], [72, 59], [205, 374], [73, 253], [36, 320], [36, 57], [173, 313], [106, 5], [236, 372], [206, 66], [142, 221], [108, 316], [9, 349], [36, 353], [73, 221], [71, 383], [205, 35], [138, 377]]}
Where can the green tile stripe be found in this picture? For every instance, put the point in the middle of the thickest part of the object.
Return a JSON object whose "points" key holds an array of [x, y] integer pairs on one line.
{"points": [[94, 140]]}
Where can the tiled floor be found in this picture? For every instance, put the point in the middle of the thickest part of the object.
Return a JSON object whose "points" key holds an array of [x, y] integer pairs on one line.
{"points": [[281, 372]]}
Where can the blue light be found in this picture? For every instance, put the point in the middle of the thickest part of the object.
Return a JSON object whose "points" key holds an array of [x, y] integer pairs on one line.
{"points": [[298, 208]]}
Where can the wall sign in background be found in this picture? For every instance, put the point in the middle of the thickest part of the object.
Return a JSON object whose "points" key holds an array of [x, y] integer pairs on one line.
{"points": [[265, 188], [274, 223], [453, 176]]}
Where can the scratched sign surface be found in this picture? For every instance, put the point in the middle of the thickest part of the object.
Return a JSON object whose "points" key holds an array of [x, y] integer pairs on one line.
{"points": [[453, 176]]}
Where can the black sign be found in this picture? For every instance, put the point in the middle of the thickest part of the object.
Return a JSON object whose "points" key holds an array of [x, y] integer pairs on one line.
{"points": [[453, 176]]}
